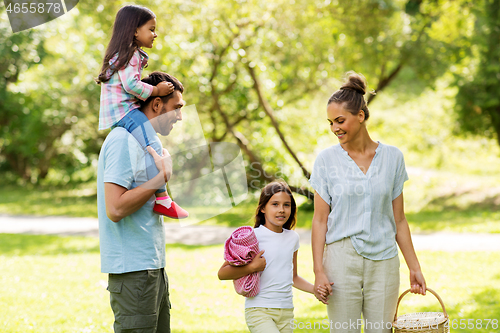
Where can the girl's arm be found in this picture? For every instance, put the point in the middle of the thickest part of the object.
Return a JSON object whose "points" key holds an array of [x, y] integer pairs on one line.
{"points": [[403, 238], [130, 78], [228, 272], [318, 239], [162, 89], [298, 281]]}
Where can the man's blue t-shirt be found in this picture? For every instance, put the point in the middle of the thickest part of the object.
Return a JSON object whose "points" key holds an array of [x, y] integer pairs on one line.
{"points": [[137, 242]]}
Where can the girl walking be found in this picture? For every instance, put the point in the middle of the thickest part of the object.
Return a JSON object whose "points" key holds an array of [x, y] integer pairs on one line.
{"points": [[271, 310], [359, 215], [122, 90]]}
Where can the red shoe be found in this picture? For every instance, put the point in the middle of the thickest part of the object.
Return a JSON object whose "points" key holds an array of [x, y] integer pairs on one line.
{"points": [[174, 212]]}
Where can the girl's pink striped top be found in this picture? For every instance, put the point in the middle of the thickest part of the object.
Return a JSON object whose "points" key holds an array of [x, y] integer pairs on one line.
{"points": [[122, 92]]}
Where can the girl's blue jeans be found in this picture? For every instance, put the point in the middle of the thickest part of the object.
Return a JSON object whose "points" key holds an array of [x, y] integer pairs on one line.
{"points": [[137, 124]]}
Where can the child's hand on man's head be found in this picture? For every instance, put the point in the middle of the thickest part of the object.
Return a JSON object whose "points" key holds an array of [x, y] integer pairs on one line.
{"points": [[165, 88]]}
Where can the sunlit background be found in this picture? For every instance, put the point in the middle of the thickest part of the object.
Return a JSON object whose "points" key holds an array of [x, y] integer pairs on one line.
{"points": [[260, 74]]}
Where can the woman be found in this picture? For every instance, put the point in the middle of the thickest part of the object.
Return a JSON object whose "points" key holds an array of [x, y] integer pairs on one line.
{"points": [[359, 215]]}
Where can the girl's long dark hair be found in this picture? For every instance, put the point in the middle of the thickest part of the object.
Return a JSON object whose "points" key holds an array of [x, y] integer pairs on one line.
{"points": [[123, 42], [267, 192]]}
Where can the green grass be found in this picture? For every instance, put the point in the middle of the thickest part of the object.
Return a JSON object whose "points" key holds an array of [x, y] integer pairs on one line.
{"points": [[54, 284], [447, 201], [78, 202], [481, 221]]}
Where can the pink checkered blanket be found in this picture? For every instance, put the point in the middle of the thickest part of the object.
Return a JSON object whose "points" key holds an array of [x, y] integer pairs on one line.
{"points": [[239, 250]]}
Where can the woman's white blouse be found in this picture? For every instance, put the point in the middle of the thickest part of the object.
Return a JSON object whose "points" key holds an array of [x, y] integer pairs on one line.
{"points": [[361, 205]]}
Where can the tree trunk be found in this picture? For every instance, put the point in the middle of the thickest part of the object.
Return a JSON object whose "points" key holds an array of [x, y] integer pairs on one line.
{"points": [[255, 161], [385, 81], [269, 111], [240, 138], [19, 165]]}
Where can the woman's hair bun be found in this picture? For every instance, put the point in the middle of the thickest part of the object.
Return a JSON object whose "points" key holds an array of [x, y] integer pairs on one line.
{"points": [[355, 81], [351, 94]]}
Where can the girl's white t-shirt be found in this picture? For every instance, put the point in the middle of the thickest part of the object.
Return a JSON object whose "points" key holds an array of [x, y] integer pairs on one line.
{"points": [[277, 278]]}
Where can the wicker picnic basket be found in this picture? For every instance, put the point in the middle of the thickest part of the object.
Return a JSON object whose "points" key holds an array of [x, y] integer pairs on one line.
{"points": [[422, 322]]}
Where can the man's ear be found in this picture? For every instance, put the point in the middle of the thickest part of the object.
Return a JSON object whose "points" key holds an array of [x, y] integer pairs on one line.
{"points": [[157, 105]]}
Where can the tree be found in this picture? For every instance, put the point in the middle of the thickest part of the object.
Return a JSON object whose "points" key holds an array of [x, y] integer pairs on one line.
{"points": [[252, 51], [17, 53], [252, 67], [478, 99], [261, 56], [45, 94]]}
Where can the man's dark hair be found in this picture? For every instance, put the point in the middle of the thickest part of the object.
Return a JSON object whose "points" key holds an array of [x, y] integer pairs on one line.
{"points": [[154, 79]]}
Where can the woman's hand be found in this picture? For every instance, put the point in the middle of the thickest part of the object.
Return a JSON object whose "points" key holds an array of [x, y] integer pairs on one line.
{"points": [[417, 282], [322, 288]]}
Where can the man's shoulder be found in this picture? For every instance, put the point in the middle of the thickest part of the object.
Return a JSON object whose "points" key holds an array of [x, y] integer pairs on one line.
{"points": [[118, 135], [119, 139]]}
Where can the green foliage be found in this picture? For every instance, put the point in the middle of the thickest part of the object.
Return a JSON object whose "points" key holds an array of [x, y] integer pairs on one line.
{"points": [[478, 102], [259, 73], [17, 53], [45, 118]]}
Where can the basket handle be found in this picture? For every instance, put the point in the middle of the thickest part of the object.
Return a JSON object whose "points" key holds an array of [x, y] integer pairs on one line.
{"points": [[428, 289]]}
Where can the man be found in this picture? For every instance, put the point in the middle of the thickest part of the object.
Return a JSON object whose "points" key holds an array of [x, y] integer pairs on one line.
{"points": [[132, 238]]}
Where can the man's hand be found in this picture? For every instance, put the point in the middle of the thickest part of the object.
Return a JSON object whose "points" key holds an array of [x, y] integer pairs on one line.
{"points": [[163, 163]]}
